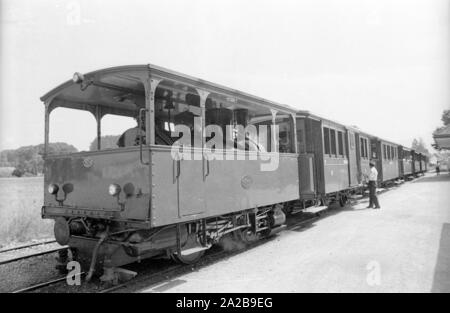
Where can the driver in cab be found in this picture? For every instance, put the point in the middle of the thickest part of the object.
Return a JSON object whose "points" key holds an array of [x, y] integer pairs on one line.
{"points": [[132, 136]]}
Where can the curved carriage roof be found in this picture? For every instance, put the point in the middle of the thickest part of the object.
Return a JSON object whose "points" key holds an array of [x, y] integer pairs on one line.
{"points": [[353, 128], [142, 71]]}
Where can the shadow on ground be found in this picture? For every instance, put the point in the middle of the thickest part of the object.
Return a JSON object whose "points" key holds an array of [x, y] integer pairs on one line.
{"points": [[305, 220], [433, 179], [441, 280]]}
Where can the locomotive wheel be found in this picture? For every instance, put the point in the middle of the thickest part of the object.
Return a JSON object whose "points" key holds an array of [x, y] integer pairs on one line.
{"points": [[188, 259]]}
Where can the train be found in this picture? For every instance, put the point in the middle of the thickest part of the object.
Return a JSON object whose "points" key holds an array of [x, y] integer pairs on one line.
{"points": [[166, 194]]}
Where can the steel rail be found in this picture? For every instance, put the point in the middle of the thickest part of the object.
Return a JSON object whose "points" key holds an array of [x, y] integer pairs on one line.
{"points": [[208, 260], [28, 246], [31, 255], [44, 284]]}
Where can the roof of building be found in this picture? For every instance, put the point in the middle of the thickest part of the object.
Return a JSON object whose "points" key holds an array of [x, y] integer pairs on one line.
{"points": [[442, 138]]}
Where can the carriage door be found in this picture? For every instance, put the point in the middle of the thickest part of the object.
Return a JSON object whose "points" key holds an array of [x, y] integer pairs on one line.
{"points": [[352, 158], [191, 200]]}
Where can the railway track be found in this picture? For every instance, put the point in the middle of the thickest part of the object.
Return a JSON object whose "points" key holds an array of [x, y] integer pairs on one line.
{"points": [[42, 285], [28, 246], [28, 256], [151, 279], [221, 254], [162, 275], [157, 277]]}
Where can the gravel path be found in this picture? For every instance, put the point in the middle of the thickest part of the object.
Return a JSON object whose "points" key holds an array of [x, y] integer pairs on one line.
{"points": [[404, 247]]}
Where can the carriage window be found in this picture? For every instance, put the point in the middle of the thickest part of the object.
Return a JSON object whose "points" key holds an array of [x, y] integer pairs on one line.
{"points": [[301, 136], [365, 151], [326, 139], [301, 141], [352, 141], [235, 124], [340, 144], [65, 128], [176, 104], [115, 132], [361, 143], [366, 148], [373, 149], [333, 141], [285, 136]]}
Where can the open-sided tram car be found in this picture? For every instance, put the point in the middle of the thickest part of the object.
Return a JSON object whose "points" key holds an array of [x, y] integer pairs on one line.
{"points": [[117, 206]]}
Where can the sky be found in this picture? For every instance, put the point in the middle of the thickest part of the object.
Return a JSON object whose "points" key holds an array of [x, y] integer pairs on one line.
{"points": [[382, 65]]}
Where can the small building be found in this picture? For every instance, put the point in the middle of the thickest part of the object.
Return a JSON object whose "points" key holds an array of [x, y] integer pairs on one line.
{"points": [[442, 138]]}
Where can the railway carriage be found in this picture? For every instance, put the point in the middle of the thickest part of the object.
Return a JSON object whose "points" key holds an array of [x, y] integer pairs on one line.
{"points": [[388, 169], [406, 164], [328, 159], [423, 163], [416, 162], [365, 153], [116, 206]]}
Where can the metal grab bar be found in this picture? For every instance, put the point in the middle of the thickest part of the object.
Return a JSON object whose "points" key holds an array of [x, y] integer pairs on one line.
{"points": [[176, 169], [207, 169], [140, 135], [205, 157]]}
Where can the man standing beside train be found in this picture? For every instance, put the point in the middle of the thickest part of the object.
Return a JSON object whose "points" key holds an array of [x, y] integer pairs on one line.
{"points": [[373, 176]]}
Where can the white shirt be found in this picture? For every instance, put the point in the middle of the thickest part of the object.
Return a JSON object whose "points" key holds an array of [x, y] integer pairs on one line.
{"points": [[373, 174]]}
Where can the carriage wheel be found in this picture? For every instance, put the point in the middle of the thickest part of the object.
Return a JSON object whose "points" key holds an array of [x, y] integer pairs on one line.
{"points": [[247, 236], [188, 259], [341, 201]]}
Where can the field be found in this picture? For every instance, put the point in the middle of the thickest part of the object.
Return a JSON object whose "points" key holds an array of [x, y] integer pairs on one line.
{"points": [[21, 200]]}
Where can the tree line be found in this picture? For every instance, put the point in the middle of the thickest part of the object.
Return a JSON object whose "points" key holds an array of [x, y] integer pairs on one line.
{"points": [[28, 160]]}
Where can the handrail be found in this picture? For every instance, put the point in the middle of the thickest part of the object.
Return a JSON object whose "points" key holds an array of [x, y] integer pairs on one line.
{"points": [[140, 136]]}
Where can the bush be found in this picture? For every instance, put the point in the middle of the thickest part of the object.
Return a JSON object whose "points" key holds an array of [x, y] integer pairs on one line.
{"points": [[18, 172]]}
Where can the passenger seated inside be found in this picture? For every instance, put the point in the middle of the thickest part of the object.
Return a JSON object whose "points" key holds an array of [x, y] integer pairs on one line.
{"points": [[132, 136], [187, 119], [284, 143]]}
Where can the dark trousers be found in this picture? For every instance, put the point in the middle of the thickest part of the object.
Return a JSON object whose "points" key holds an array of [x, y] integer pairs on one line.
{"points": [[373, 194]]}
